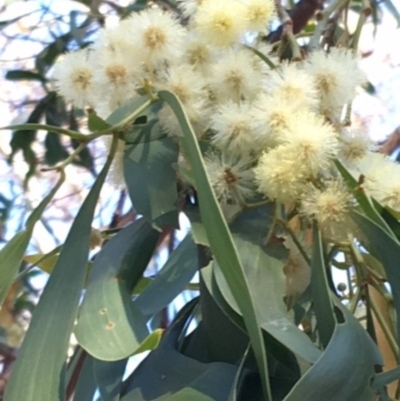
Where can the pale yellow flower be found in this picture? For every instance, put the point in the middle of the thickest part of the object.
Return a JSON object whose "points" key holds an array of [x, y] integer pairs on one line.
{"points": [[231, 177], [259, 13], [336, 75], [328, 206], [381, 179], [221, 22], [232, 125], [279, 175], [158, 36], [73, 76], [236, 76], [354, 145], [314, 142], [294, 85]]}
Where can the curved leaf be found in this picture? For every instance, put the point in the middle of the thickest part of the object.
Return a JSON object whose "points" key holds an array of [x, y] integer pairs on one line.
{"points": [[20, 75], [110, 327], [54, 316], [151, 180], [322, 302], [363, 200], [12, 254], [387, 249], [220, 239], [171, 280], [167, 373], [264, 271], [344, 370], [86, 386], [108, 376]]}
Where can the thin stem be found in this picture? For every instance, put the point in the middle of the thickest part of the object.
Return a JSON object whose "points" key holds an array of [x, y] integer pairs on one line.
{"points": [[84, 139], [351, 292], [324, 19], [38, 262], [286, 227], [355, 300], [366, 11], [122, 124], [58, 130], [273, 224], [68, 160], [256, 205], [287, 32], [347, 118], [379, 287], [386, 329]]}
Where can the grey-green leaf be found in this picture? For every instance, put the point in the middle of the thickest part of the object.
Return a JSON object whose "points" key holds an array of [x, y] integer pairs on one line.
{"points": [[344, 370], [12, 254], [110, 326], [220, 239], [320, 290], [264, 271], [171, 280], [387, 250], [167, 373], [44, 350], [363, 200], [151, 180]]}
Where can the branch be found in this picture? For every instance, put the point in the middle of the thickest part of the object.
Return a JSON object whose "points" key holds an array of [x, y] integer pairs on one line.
{"points": [[287, 32], [392, 142], [300, 14]]}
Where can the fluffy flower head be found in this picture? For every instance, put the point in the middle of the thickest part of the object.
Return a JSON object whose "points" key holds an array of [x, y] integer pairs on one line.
{"points": [[271, 117], [354, 145], [74, 78], [221, 22], [231, 177], [381, 179], [279, 175], [235, 76], [189, 7], [336, 77], [159, 36], [314, 142], [259, 14], [328, 206], [232, 124], [197, 52], [294, 85]]}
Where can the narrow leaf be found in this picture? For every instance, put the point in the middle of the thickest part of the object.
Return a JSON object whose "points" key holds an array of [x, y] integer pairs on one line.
{"points": [[387, 250], [110, 325], [95, 123], [54, 316], [171, 280], [383, 379], [21, 75], [109, 376], [345, 369], [363, 200], [45, 262], [151, 180], [220, 239], [323, 307], [86, 385], [264, 270], [167, 373], [12, 254]]}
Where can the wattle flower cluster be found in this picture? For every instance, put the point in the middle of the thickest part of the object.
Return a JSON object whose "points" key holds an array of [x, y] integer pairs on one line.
{"points": [[274, 132]]}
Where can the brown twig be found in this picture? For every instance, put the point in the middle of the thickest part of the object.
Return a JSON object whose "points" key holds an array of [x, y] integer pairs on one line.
{"points": [[392, 142], [287, 31], [300, 14]]}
